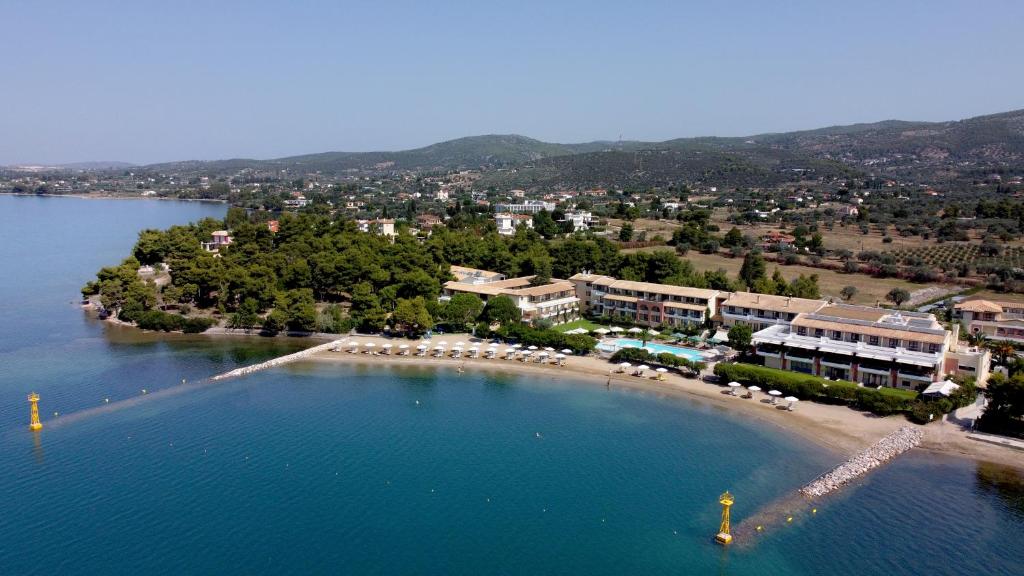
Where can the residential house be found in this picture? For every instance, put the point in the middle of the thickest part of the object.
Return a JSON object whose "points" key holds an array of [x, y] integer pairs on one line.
{"points": [[507, 223], [995, 319], [554, 301]]}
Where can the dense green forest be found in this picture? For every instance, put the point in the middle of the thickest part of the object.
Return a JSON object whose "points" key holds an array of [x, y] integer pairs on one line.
{"points": [[317, 273]]}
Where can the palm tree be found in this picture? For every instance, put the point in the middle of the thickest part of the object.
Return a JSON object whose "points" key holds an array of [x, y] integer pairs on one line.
{"points": [[1003, 350]]}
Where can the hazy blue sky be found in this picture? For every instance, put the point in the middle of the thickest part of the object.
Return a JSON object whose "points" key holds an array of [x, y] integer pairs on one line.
{"points": [[152, 81]]}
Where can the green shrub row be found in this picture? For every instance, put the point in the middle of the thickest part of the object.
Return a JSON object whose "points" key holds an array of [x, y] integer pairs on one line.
{"points": [[159, 320], [883, 401], [547, 338], [666, 359]]}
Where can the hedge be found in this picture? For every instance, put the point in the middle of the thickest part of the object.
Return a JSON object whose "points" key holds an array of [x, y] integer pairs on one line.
{"points": [[547, 338], [883, 401], [159, 320], [667, 359]]}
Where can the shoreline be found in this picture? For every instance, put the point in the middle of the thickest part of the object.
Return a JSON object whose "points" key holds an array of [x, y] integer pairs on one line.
{"points": [[114, 197], [838, 429]]}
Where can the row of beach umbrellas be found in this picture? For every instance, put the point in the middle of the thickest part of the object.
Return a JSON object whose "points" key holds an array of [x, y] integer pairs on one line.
{"points": [[440, 348], [775, 394]]}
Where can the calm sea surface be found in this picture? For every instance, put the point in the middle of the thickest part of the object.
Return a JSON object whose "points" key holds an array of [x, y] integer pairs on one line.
{"points": [[315, 469]]}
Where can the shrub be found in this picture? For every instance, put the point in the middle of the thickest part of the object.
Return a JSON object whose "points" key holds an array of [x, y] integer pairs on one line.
{"points": [[578, 343], [159, 320], [666, 359], [883, 401]]}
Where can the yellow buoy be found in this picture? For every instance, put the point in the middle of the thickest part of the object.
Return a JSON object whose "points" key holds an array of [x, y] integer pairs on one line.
{"points": [[723, 536], [814, 510], [789, 519], [33, 418]]}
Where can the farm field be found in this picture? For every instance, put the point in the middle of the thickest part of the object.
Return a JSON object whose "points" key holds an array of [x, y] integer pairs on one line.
{"points": [[957, 253], [996, 296], [870, 290]]}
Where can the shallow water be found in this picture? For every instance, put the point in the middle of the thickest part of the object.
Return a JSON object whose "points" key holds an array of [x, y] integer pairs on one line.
{"points": [[318, 468]]}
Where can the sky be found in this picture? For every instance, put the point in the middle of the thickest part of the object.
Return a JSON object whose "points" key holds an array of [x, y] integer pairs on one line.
{"points": [[147, 82]]}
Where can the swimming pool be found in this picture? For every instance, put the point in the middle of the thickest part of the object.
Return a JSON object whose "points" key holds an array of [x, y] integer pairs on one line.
{"points": [[654, 348]]}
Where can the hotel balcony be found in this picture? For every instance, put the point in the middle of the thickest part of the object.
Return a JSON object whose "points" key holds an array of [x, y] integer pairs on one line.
{"points": [[780, 335]]}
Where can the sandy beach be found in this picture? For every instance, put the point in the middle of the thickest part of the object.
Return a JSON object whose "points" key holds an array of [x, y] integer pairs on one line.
{"points": [[836, 428]]}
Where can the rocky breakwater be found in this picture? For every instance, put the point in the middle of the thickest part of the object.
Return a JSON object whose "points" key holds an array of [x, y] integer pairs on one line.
{"points": [[246, 370], [889, 447]]}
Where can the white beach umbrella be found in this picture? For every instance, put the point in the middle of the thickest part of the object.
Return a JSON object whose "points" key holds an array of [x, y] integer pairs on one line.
{"points": [[566, 351], [559, 355], [371, 345], [791, 399], [421, 347], [661, 370], [549, 349], [527, 353], [442, 343], [734, 386], [543, 354], [643, 367], [615, 329], [532, 348], [652, 331], [387, 345], [602, 331], [635, 330], [492, 345], [404, 346], [439, 347], [517, 346], [624, 365], [460, 343], [775, 395], [754, 388]]}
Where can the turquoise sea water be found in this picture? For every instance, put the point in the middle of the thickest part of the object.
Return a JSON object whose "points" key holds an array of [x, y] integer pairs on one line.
{"points": [[344, 469]]}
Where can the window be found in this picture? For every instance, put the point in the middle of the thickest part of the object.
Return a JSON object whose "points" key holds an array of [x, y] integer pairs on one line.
{"points": [[837, 335], [894, 343], [913, 346], [818, 332], [933, 348], [801, 331], [873, 340], [854, 337]]}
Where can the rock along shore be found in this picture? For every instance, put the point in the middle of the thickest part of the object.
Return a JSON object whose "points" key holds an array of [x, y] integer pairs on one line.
{"points": [[246, 370], [889, 447]]}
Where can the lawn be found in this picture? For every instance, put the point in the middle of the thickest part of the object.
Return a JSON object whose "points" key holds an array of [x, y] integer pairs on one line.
{"points": [[581, 323]]}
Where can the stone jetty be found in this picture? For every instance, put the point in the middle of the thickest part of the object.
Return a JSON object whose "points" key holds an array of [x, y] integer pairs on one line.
{"points": [[246, 370], [889, 447]]}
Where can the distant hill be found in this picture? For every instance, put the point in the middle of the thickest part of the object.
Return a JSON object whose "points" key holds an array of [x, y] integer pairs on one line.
{"points": [[77, 166], [924, 150]]}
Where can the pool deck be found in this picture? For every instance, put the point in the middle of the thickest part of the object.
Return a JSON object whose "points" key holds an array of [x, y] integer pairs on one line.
{"points": [[611, 345]]}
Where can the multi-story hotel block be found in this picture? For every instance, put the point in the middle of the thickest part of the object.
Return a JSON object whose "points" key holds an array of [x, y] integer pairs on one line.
{"points": [[872, 346], [643, 302], [761, 311], [555, 301], [996, 320]]}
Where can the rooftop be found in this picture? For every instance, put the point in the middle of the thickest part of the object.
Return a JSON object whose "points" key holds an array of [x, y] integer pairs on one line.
{"points": [[663, 289], [774, 303], [979, 306]]}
